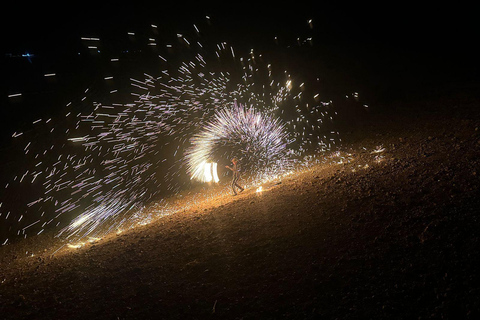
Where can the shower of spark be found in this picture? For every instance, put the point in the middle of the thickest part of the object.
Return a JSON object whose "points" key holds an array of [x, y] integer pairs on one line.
{"points": [[259, 139], [89, 173]]}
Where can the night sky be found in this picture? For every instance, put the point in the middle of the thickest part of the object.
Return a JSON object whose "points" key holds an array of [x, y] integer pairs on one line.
{"points": [[402, 25], [385, 51]]}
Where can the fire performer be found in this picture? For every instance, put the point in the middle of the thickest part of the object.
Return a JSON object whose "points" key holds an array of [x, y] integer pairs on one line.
{"points": [[236, 175]]}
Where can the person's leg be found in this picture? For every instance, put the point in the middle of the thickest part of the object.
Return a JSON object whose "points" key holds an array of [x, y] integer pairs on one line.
{"points": [[239, 187], [233, 186]]}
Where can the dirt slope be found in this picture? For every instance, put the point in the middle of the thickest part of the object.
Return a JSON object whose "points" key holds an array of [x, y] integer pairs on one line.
{"points": [[393, 234]]}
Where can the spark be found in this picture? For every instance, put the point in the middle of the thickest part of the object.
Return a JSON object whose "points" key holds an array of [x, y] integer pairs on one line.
{"points": [[259, 138], [378, 149], [172, 127]]}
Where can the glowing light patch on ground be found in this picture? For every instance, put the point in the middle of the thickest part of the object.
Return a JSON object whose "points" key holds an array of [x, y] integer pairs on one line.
{"points": [[75, 246]]}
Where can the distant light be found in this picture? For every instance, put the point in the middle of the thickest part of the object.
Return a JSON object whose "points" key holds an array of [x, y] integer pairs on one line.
{"points": [[49, 75], [14, 95]]}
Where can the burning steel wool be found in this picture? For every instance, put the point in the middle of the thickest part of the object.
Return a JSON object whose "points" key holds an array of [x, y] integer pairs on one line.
{"points": [[258, 138], [114, 150]]}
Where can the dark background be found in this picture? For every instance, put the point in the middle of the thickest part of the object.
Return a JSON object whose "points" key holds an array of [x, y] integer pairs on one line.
{"points": [[439, 38], [385, 52], [391, 40]]}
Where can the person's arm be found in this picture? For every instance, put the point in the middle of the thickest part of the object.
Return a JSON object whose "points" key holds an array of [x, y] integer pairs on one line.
{"points": [[229, 168]]}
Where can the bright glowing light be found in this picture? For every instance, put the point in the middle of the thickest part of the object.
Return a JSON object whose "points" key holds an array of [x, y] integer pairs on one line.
{"points": [[78, 222], [207, 172], [259, 189], [76, 246], [214, 171], [258, 137]]}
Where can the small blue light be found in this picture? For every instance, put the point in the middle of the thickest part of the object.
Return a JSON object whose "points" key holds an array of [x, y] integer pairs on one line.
{"points": [[28, 56]]}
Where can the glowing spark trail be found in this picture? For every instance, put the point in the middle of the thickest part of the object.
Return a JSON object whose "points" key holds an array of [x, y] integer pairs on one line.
{"points": [[195, 106], [259, 139]]}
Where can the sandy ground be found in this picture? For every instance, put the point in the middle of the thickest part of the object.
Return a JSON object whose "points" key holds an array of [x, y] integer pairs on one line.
{"points": [[390, 233]]}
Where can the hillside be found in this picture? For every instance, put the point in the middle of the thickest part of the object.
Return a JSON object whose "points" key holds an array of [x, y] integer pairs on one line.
{"points": [[390, 231]]}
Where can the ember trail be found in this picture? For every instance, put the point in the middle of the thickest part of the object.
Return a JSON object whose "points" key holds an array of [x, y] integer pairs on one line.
{"points": [[146, 124]]}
